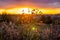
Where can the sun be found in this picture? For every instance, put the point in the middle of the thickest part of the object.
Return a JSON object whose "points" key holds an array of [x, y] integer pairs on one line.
{"points": [[25, 10]]}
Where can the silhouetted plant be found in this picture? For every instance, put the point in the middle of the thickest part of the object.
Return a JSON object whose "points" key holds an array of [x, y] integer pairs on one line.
{"points": [[5, 17], [46, 19]]}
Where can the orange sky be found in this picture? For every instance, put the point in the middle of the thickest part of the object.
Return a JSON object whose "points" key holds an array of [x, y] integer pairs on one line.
{"points": [[44, 10], [51, 6]]}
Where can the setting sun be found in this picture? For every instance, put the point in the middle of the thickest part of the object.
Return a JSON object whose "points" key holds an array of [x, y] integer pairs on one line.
{"points": [[24, 10]]}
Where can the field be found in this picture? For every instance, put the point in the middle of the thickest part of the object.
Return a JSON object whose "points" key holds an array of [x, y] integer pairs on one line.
{"points": [[29, 27]]}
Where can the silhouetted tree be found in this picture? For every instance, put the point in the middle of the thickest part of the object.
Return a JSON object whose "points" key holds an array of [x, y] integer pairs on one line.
{"points": [[33, 11]]}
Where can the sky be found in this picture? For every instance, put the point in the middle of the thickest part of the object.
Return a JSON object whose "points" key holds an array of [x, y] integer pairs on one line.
{"points": [[46, 6], [30, 3]]}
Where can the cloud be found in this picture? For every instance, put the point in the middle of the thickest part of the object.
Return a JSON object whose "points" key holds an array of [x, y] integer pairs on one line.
{"points": [[35, 3], [54, 4]]}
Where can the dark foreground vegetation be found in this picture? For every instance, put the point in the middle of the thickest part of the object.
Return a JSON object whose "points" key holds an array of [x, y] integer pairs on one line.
{"points": [[29, 27]]}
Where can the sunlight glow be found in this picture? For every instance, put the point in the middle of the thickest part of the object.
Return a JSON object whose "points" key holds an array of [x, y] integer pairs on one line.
{"points": [[24, 10], [1, 11], [29, 11], [33, 28]]}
